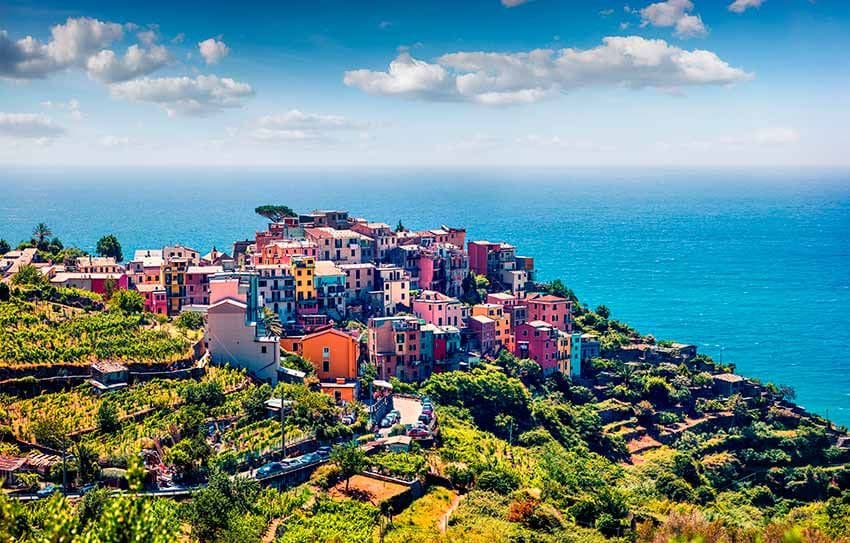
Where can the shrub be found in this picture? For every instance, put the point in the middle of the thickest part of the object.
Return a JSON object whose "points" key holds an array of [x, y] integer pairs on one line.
{"points": [[497, 480], [326, 476], [190, 320]]}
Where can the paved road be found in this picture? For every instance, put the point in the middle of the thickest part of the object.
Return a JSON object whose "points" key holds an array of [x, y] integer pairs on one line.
{"points": [[410, 410]]}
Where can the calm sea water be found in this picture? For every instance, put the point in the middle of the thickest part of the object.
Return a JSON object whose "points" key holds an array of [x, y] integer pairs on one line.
{"points": [[753, 266]]}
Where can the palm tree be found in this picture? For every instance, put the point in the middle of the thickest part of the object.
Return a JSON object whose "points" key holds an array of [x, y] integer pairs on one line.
{"points": [[271, 323], [41, 232]]}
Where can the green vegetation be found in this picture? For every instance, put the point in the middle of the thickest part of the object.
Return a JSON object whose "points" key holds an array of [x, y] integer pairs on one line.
{"points": [[109, 246], [275, 213], [34, 333]]}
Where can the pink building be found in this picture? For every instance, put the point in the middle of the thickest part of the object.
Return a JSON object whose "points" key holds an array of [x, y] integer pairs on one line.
{"points": [[282, 251], [155, 299], [538, 341], [438, 309], [198, 284], [483, 329], [550, 309], [289, 228]]}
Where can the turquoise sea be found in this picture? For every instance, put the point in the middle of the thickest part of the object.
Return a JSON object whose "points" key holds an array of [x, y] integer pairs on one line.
{"points": [[751, 265]]}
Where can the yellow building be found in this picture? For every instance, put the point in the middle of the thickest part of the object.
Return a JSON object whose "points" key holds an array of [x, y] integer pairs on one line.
{"points": [[174, 280], [564, 347], [497, 312], [304, 272]]}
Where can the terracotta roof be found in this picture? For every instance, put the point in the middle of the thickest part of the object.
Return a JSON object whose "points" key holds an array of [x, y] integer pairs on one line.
{"points": [[11, 463]]}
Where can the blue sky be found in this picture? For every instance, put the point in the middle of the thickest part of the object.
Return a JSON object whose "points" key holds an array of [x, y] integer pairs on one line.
{"points": [[541, 82]]}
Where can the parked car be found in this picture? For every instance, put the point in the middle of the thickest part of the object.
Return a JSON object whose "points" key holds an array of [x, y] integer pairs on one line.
{"points": [[424, 419], [386, 422], [311, 458], [288, 464], [348, 419], [428, 412], [85, 489], [324, 451], [49, 489], [269, 469], [418, 433]]}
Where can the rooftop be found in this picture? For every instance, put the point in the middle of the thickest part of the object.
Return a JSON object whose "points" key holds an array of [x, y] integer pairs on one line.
{"points": [[728, 377]]}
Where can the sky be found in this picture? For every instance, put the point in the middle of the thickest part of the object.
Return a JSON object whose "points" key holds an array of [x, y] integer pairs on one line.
{"points": [[431, 83]]}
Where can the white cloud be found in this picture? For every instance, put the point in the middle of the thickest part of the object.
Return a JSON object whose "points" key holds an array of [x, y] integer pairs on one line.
{"points": [[296, 125], [32, 126], [406, 76], [740, 6], [147, 37], [107, 67], [676, 14], [213, 50], [511, 78], [179, 38], [197, 96], [514, 3], [81, 43]]}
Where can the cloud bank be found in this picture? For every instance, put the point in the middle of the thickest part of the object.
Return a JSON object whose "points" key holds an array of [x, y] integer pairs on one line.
{"points": [[526, 77]]}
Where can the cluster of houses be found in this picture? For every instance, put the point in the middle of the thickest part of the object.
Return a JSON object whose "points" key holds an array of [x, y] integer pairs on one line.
{"points": [[343, 292]]}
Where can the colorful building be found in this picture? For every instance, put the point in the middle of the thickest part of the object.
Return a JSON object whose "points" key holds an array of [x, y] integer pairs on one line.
{"points": [[329, 281], [174, 280], [155, 299], [498, 262], [383, 236], [95, 282], [198, 284], [394, 348], [496, 312], [551, 309], [359, 280], [276, 289], [233, 334], [538, 341], [341, 246], [438, 309], [282, 251], [393, 285], [483, 331], [334, 355], [145, 268], [303, 270]]}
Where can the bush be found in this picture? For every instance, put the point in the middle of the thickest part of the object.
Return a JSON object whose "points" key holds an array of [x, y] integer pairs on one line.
{"points": [[497, 480], [190, 320], [326, 476]]}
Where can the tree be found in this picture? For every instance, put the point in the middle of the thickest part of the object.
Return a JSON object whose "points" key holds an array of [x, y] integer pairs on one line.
{"points": [[109, 246], [190, 320], [87, 465], [603, 311], [5, 293], [4, 247], [40, 234], [214, 508], [28, 275], [275, 213], [110, 285], [254, 401], [350, 459], [271, 322], [107, 417], [127, 301], [400, 227]]}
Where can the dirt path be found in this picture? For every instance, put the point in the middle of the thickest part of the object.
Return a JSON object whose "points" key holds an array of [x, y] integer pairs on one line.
{"points": [[271, 530], [444, 520]]}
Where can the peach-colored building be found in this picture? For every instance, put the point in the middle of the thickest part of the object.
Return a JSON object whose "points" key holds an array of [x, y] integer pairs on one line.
{"points": [[438, 309], [282, 251], [502, 320], [341, 246]]}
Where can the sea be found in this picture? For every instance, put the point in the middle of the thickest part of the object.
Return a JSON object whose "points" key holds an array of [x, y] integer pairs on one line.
{"points": [[751, 265]]}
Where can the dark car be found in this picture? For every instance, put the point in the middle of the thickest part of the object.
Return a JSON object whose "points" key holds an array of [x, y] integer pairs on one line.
{"points": [[47, 491], [324, 451], [425, 419], [269, 469], [288, 464], [311, 458]]}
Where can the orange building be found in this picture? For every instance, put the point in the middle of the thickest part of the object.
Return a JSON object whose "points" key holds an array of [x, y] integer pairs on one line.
{"points": [[334, 355], [504, 338]]}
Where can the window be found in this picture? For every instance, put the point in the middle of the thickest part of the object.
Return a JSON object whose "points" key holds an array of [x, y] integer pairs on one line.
{"points": [[326, 352], [326, 366], [263, 349]]}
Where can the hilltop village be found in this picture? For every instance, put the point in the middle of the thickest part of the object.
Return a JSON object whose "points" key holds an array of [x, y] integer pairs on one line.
{"points": [[336, 379]]}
